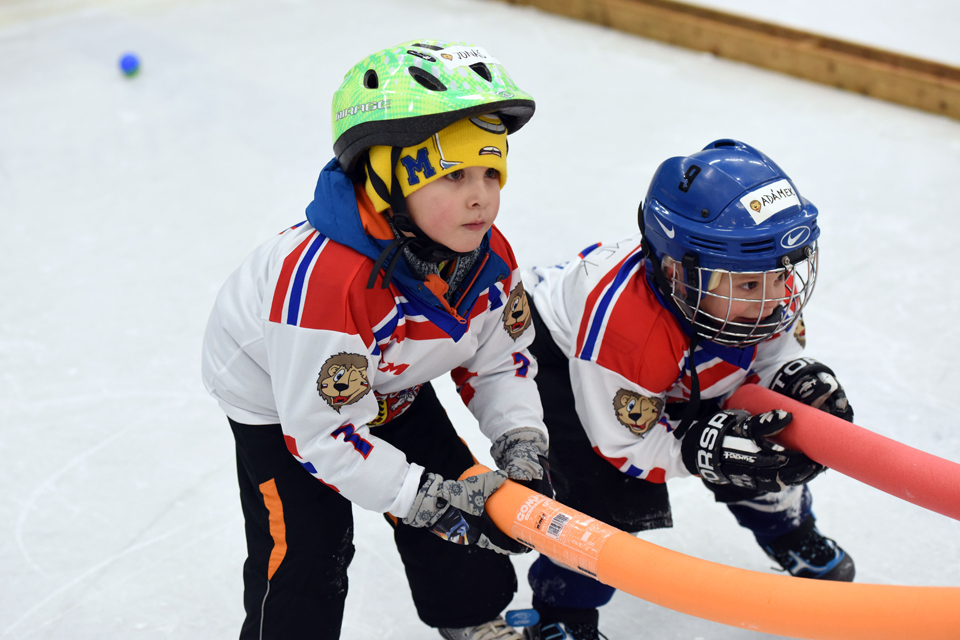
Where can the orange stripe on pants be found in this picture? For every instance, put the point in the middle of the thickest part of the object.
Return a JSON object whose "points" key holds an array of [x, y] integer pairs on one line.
{"points": [[278, 530]]}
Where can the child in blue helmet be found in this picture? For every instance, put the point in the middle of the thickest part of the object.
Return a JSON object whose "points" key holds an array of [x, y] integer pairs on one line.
{"points": [[640, 342]]}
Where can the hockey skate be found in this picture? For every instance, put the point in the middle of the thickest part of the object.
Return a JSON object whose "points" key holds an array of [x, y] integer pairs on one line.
{"points": [[561, 631], [563, 624], [806, 553], [496, 629]]}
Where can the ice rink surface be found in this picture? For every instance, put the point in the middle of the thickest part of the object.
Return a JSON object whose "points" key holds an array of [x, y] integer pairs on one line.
{"points": [[125, 203]]}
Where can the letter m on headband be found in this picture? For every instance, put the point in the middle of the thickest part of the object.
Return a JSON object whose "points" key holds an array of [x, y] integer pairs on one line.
{"points": [[419, 165]]}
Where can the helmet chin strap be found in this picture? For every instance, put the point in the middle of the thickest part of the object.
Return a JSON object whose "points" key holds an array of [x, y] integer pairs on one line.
{"points": [[419, 243]]}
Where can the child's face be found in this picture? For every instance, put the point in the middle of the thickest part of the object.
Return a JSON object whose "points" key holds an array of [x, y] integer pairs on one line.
{"points": [[459, 208], [745, 297]]}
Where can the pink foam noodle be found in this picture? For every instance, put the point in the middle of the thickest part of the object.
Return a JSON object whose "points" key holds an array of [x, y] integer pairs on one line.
{"points": [[893, 467]]}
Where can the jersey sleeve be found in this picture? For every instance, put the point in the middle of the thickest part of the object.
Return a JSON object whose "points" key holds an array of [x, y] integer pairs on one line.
{"points": [[625, 423], [497, 382], [323, 357], [624, 415]]}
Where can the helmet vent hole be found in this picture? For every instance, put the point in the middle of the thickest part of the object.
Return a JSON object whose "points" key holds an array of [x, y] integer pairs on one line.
{"points": [[370, 79], [758, 246], [426, 80], [724, 143], [483, 71], [706, 243], [432, 47]]}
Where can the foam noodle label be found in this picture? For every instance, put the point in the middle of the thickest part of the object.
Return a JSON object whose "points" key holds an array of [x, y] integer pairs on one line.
{"points": [[768, 200], [460, 56], [568, 536]]}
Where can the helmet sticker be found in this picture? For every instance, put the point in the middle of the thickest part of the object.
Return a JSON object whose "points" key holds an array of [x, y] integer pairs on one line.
{"points": [[772, 198], [516, 313], [636, 412], [343, 380], [795, 237], [421, 55], [461, 56]]}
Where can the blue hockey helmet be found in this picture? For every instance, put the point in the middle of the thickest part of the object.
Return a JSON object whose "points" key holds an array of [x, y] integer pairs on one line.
{"points": [[724, 211]]}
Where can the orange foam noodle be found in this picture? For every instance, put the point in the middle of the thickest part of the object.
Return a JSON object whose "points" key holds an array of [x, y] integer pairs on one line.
{"points": [[777, 604]]}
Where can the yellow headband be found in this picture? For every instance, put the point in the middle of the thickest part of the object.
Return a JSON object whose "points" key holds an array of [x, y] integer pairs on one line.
{"points": [[478, 141]]}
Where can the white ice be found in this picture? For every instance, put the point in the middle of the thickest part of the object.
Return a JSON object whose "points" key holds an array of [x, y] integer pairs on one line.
{"points": [[125, 203]]}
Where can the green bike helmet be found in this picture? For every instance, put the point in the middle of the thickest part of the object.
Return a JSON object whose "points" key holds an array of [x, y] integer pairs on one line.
{"points": [[402, 95]]}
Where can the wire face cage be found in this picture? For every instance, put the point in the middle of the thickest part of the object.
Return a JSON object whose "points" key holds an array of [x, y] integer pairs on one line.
{"points": [[741, 309]]}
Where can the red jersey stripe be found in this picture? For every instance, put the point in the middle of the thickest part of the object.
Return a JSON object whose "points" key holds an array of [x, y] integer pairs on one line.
{"points": [[283, 284], [586, 319]]}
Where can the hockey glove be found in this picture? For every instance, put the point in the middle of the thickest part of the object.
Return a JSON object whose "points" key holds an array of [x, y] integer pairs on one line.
{"points": [[522, 453], [814, 384], [731, 447], [453, 509]]}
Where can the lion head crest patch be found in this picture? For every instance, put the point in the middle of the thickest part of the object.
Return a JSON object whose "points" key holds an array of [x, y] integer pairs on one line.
{"points": [[636, 412], [516, 313], [343, 380], [800, 332]]}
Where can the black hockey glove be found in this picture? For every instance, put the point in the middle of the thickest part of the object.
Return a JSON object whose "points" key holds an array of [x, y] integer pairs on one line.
{"points": [[522, 453], [814, 384], [731, 447], [454, 510]]}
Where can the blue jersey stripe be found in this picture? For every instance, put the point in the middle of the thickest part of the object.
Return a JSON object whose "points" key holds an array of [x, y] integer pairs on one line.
{"points": [[386, 330], [589, 344], [296, 292], [493, 295], [634, 472], [438, 317], [589, 250]]}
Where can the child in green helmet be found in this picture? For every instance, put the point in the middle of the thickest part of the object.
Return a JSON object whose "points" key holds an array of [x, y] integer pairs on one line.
{"points": [[322, 345]]}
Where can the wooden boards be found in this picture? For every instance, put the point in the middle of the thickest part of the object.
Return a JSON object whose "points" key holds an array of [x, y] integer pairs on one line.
{"points": [[894, 77]]}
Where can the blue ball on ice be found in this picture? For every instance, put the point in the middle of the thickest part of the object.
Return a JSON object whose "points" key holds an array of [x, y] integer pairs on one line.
{"points": [[129, 64]]}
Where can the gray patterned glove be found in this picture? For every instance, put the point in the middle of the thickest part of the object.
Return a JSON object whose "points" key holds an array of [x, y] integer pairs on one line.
{"points": [[518, 453], [436, 495], [454, 510]]}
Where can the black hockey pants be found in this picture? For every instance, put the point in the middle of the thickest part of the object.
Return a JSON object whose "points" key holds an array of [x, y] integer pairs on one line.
{"points": [[300, 537]]}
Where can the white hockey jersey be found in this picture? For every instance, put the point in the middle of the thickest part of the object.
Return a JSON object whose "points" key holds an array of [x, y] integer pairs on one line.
{"points": [[629, 356], [297, 338]]}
